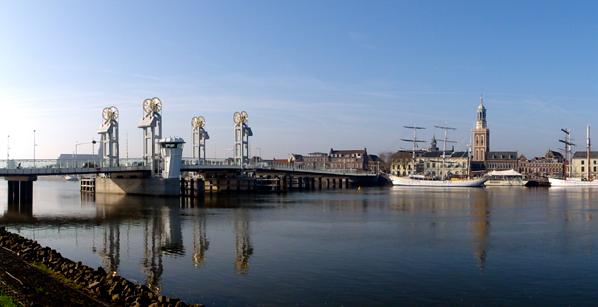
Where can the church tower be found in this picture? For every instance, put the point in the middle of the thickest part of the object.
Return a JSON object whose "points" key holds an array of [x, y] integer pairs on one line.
{"points": [[481, 134]]}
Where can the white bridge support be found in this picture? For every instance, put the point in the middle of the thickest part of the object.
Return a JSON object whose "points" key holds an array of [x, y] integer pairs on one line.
{"points": [[151, 123], [242, 134], [200, 135], [109, 137]]}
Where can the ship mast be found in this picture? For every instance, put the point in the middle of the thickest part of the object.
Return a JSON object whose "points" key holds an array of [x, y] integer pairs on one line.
{"points": [[589, 148], [568, 145], [446, 129], [414, 141]]}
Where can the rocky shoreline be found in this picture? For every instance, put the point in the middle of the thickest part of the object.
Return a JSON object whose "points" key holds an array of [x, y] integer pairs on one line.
{"points": [[103, 288]]}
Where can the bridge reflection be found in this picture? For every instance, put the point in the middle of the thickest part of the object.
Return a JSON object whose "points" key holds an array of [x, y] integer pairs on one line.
{"points": [[158, 224]]}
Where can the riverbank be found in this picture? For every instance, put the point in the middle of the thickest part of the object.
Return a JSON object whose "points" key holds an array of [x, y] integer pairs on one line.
{"points": [[32, 275]]}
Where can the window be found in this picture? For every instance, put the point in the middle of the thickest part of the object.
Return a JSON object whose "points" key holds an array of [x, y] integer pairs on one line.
{"points": [[582, 168], [594, 168], [582, 162]]}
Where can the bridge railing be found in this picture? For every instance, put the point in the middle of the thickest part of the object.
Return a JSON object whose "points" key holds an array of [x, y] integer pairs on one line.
{"points": [[310, 168], [208, 162], [66, 163]]}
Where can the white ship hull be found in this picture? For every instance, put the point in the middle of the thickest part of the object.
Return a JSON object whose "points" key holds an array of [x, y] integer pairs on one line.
{"points": [[503, 183], [465, 183], [572, 182]]}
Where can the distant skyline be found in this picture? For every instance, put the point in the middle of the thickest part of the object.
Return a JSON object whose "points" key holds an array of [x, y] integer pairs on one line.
{"points": [[311, 74]]}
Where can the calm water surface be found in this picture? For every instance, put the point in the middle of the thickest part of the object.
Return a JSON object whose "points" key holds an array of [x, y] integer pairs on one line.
{"points": [[499, 246]]}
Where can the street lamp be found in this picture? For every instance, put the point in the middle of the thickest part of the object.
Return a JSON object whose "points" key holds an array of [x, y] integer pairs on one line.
{"points": [[34, 145]]}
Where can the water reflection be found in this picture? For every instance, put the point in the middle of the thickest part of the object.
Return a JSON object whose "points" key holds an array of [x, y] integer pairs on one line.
{"points": [[480, 213], [110, 252], [375, 246], [243, 248], [23, 212], [200, 240]]}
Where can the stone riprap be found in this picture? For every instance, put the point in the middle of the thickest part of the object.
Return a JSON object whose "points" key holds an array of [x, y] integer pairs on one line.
{"points": [[104, 286]]}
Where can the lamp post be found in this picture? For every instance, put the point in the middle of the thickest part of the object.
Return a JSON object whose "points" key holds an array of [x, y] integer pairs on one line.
{"points": [[34, 145]]}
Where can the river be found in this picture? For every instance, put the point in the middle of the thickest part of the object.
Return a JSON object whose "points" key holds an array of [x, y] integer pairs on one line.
{"points": [[377, 246]]}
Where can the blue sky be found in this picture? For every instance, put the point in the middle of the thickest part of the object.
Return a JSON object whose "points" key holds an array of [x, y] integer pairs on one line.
{"points": [[311, 74]]}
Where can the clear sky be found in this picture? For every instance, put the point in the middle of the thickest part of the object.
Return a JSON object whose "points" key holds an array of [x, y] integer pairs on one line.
{"points": [[311, 74]]}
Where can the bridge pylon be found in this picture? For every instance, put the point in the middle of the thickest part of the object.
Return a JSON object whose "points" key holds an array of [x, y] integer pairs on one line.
{"points": [[151, 123], [109, 137], [242, 134], [200, 135]]}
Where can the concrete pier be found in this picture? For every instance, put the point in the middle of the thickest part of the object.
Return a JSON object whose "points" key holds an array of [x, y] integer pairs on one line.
{"points": [[20, 190]]}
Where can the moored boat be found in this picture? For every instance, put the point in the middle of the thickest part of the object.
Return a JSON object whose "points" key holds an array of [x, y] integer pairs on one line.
{"points": [[71, 178], [420, 181], [588, 180], [505, 178], [572, 182]]}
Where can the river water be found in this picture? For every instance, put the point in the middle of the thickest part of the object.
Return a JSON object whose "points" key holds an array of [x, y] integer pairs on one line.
{"points": [[379, 246]]}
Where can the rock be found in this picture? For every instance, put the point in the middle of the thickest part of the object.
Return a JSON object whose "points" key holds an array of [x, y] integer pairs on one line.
{"points": [[93, 285], [116, 298]]}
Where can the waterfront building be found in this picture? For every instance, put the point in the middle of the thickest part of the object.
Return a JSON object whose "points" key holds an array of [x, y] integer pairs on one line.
{"points": [[430, 163], [402, 163], [348, 159], [316, 160], [374, 163], [579, 164], [550, 165], [455, 164], [481, 134], [357, 159], [501, 160]]}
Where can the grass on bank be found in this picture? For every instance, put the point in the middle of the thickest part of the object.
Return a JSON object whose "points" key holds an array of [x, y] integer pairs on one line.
{"points": [[59, 277], [6, 301]]}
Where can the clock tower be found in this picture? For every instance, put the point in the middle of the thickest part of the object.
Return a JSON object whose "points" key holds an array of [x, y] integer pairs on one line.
{"points": [[481, 134]]}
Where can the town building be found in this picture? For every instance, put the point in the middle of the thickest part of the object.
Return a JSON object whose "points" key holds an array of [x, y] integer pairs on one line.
{"points": [[348, 159], [484, 159], [402, 163], [481, 134], [316, 160], [358, 159], [454, 164], [501, 160], [580, 166], [430, 162], [550, 165]]}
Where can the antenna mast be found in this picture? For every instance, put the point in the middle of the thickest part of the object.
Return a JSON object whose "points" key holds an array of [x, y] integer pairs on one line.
{"points": [[414, 141]]}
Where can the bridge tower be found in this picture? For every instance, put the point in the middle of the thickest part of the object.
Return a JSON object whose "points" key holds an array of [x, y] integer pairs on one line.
{"points": [[109, 137], [200, 135], [242, 134], [151, 123]]}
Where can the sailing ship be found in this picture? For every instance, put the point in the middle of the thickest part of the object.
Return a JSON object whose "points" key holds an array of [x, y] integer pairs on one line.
{"points": [[416, 180], [588, 180]]}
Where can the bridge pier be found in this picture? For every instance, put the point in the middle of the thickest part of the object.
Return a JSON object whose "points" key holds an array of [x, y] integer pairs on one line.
{"points": [[20, 190]]}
